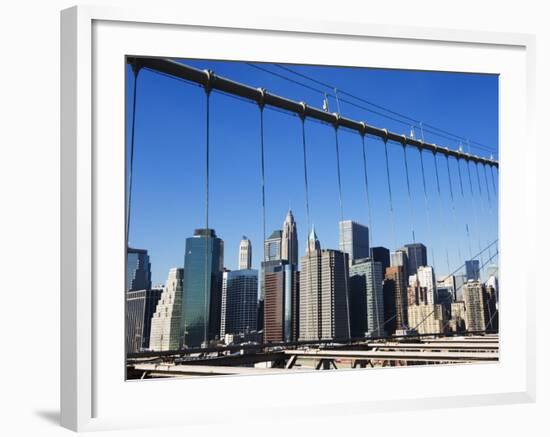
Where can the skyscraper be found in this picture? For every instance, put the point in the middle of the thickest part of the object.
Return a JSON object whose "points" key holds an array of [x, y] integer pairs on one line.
{"points": [[475, 308], [241, 302], [396, 286], [426, 278], [427, 319], [472, 270], [324, 311], [366, 298], [382, 255], [245, 254], [416, 257], [399, 259], [272, 246], [138, 270], [354, 240], [281, 288], [202, 284], [165, 324], [289, 240]]}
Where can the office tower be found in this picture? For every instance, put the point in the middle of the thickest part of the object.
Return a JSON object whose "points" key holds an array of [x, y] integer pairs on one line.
{"points": [[416, 294], [272, 246], [152, 298], [135, 316], [324, 312], [448, 283], [416, 257], [245, 254], [224, 301], [457, 321], [354, 240], [281, 288], [289, 240], [399, 259], [490, 301], [460, 280], [241, 302], [165, 324], [138, 270], [472, 270], [475, 309], [366, 298], [202, 285], [426, 279], [396, 286], [382, 255], [427, 319]]}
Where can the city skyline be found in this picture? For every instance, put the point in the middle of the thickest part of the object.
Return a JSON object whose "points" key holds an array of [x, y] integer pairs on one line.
{"points": [[173, 129]]}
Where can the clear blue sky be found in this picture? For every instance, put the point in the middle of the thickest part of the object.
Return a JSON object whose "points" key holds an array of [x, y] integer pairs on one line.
{"points": [[168, 188]]}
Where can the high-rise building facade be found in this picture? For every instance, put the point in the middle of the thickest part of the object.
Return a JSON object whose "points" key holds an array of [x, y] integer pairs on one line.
{"points": [[138, 270], [165, 324], [427, 319], [281, 288], [382, 255], [245, 254], [426, 279], [366, 298], [474, 305], [416, 257], [135, 317], [324, 310], [241, 302], [395, 285], [399, 259], [272, 246], [354, 240], [289, 240], [202, 285], [472, 270]]}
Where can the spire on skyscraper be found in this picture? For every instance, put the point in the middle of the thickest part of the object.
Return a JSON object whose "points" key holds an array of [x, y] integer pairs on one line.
{"points": [[313, 242], [289, 243]]}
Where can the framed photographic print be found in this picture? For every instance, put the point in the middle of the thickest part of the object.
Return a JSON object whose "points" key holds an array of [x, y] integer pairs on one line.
{"points": [[317, 216]]}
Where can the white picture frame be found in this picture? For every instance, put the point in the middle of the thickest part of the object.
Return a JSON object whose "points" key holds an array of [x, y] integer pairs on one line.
{"points": [[91, 387]]}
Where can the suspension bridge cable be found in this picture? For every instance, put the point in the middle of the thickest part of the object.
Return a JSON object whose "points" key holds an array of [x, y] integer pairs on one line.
{"points": [[262, 171], [346, 265], [206, 212], [453, 208], [441, 211], [467, 228], [475, 212], [427, 207], [131, 163], [368, 102], [370, 224], [388, 179]]}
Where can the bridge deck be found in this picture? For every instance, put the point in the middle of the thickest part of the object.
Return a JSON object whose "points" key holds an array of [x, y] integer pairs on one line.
{"points": [[426, 356]]}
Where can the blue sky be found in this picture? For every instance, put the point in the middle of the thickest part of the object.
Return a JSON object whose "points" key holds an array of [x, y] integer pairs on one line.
{"points": [[168, 186]]}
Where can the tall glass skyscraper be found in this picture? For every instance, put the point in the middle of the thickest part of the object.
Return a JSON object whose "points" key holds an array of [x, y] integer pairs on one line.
{"points": [[416, 257], [289, 240], [241, 301], [202, 284], [354, 240], [138, 270], [272, 246], [472, 270]]}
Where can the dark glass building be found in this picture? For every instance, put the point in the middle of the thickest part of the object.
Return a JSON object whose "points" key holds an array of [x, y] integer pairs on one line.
{"points": [[202, 288], [472, 270], [280, 304], [138, 270], [382, 255], [354, 240], [416, 257], [241, 306]]}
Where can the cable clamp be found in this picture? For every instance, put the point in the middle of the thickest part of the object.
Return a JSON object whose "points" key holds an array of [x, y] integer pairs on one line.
{"points": [[261, 98], [209, 81]]}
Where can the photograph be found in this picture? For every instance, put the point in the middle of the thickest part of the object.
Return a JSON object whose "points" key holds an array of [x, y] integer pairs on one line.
{"points": [[298, 218]]}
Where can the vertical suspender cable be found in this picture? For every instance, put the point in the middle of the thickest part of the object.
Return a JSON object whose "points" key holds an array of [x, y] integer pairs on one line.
{"points": [[206, 209], [441, 210], [378, 331], [460, 259], [346, 265], [262, 168], [136, 70], [390, 192], [468, 237], [475, 213], [426, 204]]}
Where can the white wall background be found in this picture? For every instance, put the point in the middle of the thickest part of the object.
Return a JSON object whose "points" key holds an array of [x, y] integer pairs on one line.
{"points": [[29, 214]]}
